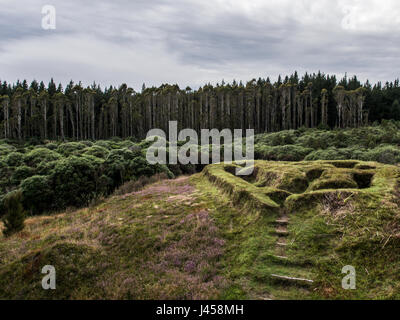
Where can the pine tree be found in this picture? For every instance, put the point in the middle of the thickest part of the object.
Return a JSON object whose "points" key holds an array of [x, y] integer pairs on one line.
{"points": [[396, 110], [43, 101], [324, 107], [14, 213], [5, 101]]}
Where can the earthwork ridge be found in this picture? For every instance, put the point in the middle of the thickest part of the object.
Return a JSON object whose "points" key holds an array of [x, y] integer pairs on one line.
{"points": [[283, 189]]}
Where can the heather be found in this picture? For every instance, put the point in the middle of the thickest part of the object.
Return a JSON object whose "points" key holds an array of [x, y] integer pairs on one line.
{"points": [[158, 243], [218, 236]]}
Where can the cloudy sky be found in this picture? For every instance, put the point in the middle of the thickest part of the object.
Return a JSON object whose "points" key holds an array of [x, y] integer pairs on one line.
{"points": [[195, 41]]}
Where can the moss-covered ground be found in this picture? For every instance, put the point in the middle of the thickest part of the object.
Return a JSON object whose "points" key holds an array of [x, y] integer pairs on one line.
{"points": [[215, 235], [331, 214]]}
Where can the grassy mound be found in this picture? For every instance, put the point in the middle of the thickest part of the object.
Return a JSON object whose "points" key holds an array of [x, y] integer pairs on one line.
{"points": [[158, 243], [214, 236], [340, 213]]}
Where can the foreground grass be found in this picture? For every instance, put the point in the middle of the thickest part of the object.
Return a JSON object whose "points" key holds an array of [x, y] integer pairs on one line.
{"points": [[337, 219], [158, 243], [204, 238]]}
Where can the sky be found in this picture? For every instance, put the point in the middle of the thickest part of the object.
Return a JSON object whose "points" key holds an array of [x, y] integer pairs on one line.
{"points": [[194, 42]]}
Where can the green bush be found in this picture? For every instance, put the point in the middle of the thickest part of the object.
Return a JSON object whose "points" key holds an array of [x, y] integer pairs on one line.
{"points": [[318, 140], [331, 153], [51, 146], [188, 169], [97, 151], [75, 173], [127, 144], [340, 140], [6, 149], [14, 213], [117, 164], [38, 195], [45, 168], [38, 155], [75, 180], [20, 174], [5, 171], [384, 154], [14, 159], [87, 143], [56, 175], [70, 148], [281, 153], [104, 143], [277, 138]]}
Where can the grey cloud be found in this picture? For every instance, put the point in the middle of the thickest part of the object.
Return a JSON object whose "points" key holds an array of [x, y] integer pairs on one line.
{"points": [[192, 42]]}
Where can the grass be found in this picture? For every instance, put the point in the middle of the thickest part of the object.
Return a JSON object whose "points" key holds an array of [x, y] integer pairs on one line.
{"points": [[212, 236], [329, 229], [153, 244]]}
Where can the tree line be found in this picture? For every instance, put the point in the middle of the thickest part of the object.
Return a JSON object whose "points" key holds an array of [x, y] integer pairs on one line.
{"points": [[81, 113]]}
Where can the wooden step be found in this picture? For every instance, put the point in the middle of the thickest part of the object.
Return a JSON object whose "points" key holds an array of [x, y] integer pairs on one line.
{"points": [[280, 257], [292, 279], [281, 244], [283, 233], [282, 221]]}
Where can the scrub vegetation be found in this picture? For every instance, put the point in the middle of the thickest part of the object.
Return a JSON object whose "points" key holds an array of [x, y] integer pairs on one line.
{"points": [[116, 227], [214, 235]]}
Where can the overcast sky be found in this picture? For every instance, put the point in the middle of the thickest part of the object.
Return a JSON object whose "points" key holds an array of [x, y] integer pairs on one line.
{"points": [[196, 41]]}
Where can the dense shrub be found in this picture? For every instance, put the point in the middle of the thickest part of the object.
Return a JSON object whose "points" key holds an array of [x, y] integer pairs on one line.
{"points": [[56, 175], [21, 173], [281, 153], [384, 154], [87, 143], [291, 152], [51, 146], [6, 149], [188, 169], [127, 144], [117, 165], [109, 144], [277, 138], [14, 213], [140, 167], [36, 156], [70, 148], [148, 142], [331, 153], [97, 151], [45, 167], [38, 195], [14, 159], [175, 169], [75, 180], [5, 171], [104, 144], [317, 140]]}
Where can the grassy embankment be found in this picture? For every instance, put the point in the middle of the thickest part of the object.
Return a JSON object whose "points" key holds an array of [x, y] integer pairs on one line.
{"points": [[215, 235]]}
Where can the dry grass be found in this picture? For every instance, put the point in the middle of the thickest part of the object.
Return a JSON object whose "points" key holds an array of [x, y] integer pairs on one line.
{"points": [[140, 245], [185, 239], [336, 205], [136, 185]]}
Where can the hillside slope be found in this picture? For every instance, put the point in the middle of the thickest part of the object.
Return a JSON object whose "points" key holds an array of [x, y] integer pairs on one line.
{"points": [[217, 236]]}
